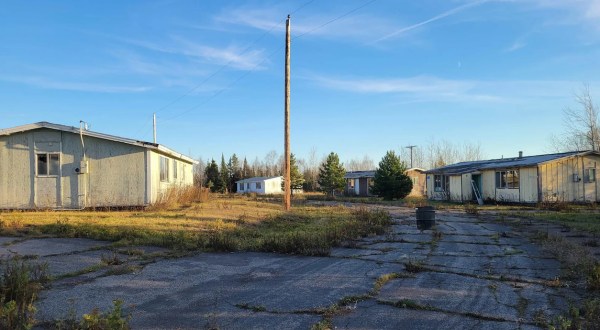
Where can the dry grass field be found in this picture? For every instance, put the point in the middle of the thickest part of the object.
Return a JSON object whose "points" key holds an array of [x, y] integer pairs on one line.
{"points": [[223, 223]]}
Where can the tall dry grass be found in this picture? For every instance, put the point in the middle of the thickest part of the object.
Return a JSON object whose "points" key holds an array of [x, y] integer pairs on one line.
{"points": [[179, 196]]}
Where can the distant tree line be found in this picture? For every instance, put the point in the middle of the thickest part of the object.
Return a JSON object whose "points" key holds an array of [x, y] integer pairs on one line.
{"points": [[315, 173]]}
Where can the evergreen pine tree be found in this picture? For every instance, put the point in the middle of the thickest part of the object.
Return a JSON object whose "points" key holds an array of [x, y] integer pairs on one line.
{"points": [[296, 177], [391, 180], [225, 178], [212, 177], [235, 172], [331, 174], [246, 170]]}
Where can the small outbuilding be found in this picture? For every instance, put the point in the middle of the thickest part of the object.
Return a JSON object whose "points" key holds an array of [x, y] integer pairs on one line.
{"points": [[359, 183], [418, 177], [261, 185], [45, 165], [567, 177]]}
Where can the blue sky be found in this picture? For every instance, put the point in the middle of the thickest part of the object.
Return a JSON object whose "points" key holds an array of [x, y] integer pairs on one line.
{"points": [[367, 76]]}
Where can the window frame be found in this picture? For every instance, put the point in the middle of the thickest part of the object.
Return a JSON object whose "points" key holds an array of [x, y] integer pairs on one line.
{"points": [[504, 179], [49, 166], [588, 177], [175, 165], [441, 185], [258, 185], [164, 169]]}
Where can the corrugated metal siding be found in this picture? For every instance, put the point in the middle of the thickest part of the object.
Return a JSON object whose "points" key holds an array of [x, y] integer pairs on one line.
{"points": [[16, 175], [467, 190], [116, 172], [184, 177], [528, 185], [456, 188], [488, 182]]}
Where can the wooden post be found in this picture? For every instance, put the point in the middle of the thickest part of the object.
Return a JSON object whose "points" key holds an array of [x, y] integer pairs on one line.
{"points": [[288, 190]]}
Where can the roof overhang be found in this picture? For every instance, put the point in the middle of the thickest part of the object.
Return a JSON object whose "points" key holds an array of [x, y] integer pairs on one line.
{"points": [[75, 130]]}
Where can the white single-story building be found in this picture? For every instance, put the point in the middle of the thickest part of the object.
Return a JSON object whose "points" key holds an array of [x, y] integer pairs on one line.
{"points": [[44, 165], [358, 183], [261, 185], [568, 177]]}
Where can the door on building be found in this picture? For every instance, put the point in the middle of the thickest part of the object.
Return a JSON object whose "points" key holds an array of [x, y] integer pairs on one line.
{"points": [[47, 179], [363, 187]]}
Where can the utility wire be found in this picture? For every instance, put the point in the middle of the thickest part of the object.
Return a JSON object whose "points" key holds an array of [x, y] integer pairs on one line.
{"points": [[195, 88], [268, 57]]}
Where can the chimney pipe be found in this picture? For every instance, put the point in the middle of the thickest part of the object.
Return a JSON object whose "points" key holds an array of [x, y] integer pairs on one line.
{"points": [[520, 154]]}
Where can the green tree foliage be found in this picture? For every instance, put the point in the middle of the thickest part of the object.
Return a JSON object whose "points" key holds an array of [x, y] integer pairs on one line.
{"points": [[296, 177], [390, 179], [246, 170], [235, 172], [225, 179], [212, 177], [331, 174]]}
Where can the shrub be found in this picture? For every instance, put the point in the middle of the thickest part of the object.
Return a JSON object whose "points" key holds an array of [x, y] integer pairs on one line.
{"points": [[471, 209], [19, 287]]}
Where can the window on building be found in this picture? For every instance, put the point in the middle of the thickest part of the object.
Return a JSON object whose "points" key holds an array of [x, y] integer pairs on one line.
{"points": [[441, 183], [48, 164], [507, 179], [351, 183], [247, 186], [174, 169], [241, 186], [164, 169], [590, 175], [258, 185]]}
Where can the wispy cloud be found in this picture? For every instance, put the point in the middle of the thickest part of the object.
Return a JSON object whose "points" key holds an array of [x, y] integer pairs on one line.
{"points": [[518, 44], [571, 11], [419, 84], [47, 83], [358, 26], [434, 89], [233, 56], [438, 17]]}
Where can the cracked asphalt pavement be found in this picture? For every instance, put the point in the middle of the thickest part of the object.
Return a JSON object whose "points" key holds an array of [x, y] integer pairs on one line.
{"points": [[466, 273]]}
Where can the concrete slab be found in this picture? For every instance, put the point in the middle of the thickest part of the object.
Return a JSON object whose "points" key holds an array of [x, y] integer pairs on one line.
{"points": [[197, 286], [53, 246], [371, 315]]}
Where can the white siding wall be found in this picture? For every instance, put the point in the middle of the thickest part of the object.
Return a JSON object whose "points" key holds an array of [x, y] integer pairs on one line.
{"points": [[529, 185], [184, 177], [556, 179], [16, 174], [270, 186], [467, 190]]}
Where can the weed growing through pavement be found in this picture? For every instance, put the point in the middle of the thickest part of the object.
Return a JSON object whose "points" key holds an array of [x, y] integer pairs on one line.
{"points": [[413, 266], [20, 284]]}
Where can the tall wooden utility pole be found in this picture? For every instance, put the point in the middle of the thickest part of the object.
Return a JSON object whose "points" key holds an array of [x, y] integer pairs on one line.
{"points": [[287, 199]]}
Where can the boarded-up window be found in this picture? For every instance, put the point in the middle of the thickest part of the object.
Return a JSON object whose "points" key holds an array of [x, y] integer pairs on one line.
{"points": [[48, 164], [164, 169]]}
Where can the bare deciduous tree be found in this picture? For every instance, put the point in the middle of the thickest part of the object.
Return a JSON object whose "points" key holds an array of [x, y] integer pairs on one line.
{"points": [[582, 130], [364, 164]]}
